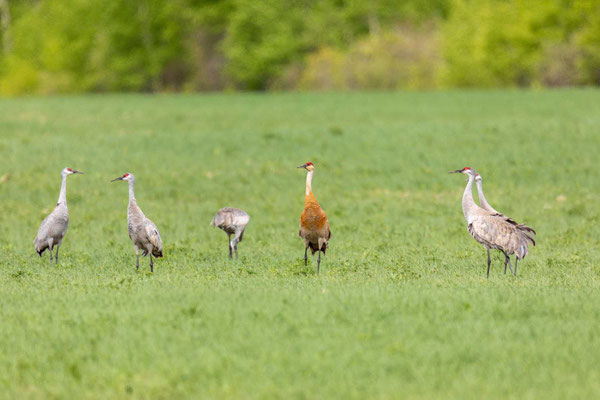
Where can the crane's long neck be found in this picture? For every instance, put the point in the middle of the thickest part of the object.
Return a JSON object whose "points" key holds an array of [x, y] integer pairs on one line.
{"points": [[468, 204], [309, 177], [131, 192], [62, 197], [134, 213], [482, 201]]}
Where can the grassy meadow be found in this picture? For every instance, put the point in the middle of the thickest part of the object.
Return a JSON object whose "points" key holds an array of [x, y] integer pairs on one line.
{"points": [[402, 308]]}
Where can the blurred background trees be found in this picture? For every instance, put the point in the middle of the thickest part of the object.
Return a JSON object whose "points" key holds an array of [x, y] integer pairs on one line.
{"points": [[65, 46]]}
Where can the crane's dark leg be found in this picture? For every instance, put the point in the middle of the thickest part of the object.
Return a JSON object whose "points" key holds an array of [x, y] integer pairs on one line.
{"points": [[56, 257], [319, 263], [50, 249], [516, 262], [235, 248], [137, 259], [229, 245], [507, 260], [306, 256], [151, 263], [489, 263]]}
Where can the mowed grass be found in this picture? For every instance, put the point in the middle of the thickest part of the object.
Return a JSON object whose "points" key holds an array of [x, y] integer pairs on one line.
{"points": [[402, 308]]}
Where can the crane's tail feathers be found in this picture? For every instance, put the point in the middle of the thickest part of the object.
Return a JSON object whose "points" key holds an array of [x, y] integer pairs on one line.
{"points": [[154, 239], [528, 233], [529, 229], [314, 247], [523, 245], [521, 227], [531, 239]]}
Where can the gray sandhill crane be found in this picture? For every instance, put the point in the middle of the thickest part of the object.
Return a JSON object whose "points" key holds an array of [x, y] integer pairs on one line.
{"points": [[54, 227], [142, 232], [233, 221], [314, 225], [486, 206], [492, 230]]}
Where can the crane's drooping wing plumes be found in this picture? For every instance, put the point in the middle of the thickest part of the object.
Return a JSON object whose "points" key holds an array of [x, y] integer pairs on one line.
{"points": [[511, 221], [54, 226], [40, 243], [495, 232], [154, 238]]}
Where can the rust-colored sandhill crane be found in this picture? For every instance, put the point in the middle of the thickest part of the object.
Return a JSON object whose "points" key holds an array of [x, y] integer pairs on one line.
{"points": [[142, 232], [493, 230], [232, 221], [54, 227], [486, 206], [314, 226]]}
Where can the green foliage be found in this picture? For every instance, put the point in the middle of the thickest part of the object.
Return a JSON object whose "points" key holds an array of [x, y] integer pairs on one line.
{"points": [[494, 43], [157, 45], [261, 38], [402, 307], [588, 40], [405, 58], [81, 45]]}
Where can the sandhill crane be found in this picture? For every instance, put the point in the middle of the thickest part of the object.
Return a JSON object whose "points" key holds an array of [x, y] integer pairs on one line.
{"points": [[233, 221], [54, 227], [142, 232], [492, 230], [486, 206], [314, 226]]}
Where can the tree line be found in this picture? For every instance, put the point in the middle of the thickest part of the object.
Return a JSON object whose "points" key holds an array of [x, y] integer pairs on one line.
{"points": [[66, 46]]}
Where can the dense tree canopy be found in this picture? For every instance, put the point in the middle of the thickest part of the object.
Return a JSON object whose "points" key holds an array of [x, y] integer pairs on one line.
{"points": [[55, 46]]}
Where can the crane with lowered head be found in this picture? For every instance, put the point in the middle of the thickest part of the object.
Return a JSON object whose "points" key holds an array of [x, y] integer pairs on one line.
{"points": [[232, 221]]}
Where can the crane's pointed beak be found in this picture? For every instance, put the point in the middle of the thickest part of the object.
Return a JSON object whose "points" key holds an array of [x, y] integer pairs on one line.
{"points": [[302, 166], [454, 172], [77, 172], [117, 179]]}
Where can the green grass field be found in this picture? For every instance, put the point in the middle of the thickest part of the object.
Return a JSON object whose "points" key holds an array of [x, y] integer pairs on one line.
{"points": [[402, 308]]}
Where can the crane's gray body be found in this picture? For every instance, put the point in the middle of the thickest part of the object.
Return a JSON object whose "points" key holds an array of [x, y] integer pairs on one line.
{"points": [[233, 221], [54, 227], [52, 230], [494, 230], [142, 231]]}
